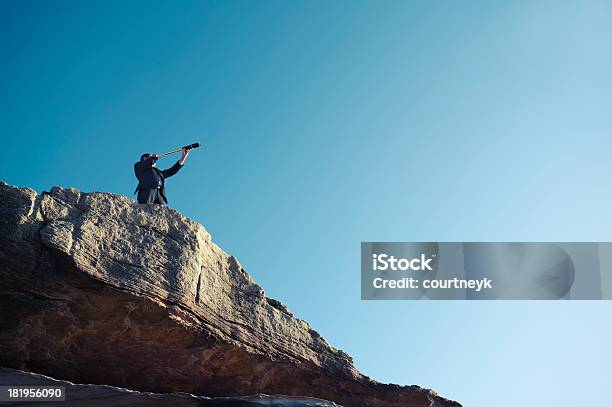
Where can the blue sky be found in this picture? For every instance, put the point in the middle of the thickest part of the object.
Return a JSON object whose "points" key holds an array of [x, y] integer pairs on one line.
{"points": [[330, 123]]}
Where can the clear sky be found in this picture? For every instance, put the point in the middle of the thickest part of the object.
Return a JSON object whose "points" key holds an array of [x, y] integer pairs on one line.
{"points": [[328, 123]]}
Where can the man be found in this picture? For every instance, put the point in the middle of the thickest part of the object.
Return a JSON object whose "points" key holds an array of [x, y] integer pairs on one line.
{"points": [[151, 188]]}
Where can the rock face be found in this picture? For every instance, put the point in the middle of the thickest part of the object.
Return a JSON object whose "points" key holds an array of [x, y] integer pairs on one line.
{"points": [[95, 288], [92, 395]]}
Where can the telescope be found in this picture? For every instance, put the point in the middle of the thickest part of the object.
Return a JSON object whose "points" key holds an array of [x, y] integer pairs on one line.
{"points": [[188, 147]]}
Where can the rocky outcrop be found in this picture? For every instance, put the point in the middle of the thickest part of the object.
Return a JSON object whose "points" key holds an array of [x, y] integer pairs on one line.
{"points": [[95, 288], [92, 395]]}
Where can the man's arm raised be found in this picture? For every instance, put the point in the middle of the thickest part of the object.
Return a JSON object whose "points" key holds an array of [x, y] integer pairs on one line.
{"points": [[181, 161], [176, 167]]}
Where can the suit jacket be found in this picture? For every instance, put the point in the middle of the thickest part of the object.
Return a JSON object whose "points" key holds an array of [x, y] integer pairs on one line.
{"points": [[150, 177]]}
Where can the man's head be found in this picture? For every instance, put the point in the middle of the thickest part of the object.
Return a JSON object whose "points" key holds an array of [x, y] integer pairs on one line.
{"points": [[145, 156]]}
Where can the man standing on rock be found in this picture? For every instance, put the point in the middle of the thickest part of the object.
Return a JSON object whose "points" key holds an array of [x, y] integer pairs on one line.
{"points": [[151, 188]]}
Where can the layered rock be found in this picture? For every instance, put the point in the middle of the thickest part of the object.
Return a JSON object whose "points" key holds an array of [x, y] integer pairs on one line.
{"points": [[92, 395], [95, 288]]}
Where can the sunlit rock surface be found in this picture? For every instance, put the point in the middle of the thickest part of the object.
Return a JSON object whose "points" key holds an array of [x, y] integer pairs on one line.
{"points": [[95, 288]]}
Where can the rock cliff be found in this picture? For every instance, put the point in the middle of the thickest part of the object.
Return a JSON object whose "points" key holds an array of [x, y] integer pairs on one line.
{"points": [[95, 288], [92, 395]]}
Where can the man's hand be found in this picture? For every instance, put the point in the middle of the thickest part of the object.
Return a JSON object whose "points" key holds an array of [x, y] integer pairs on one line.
{"points": [[184, 156]]}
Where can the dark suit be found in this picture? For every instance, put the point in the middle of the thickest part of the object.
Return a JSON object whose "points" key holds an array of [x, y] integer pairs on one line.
{"points": [[151, 181]]}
